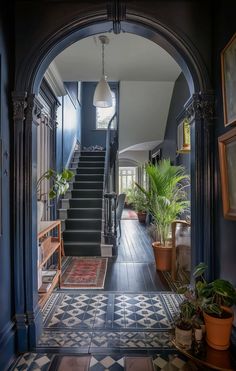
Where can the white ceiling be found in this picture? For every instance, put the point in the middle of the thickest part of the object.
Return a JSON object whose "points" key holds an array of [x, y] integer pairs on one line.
{"points": [[128, 57]]}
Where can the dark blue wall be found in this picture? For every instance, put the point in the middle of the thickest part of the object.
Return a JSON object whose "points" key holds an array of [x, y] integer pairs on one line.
{"points": [[69, 125], [225, 230], [6, 268], [91, 136], [168, 148]]}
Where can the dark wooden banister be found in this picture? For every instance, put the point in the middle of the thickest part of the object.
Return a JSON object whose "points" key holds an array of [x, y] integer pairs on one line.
{"points": [[109, 195]]}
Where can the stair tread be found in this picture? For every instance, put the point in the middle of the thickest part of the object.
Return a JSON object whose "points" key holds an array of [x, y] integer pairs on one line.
{"points": [[84, 198], [83, 230], [81, 243], [85, 219]]}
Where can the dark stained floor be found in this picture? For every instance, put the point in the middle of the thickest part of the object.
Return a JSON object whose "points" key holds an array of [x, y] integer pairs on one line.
{"points": [[134, 268]]}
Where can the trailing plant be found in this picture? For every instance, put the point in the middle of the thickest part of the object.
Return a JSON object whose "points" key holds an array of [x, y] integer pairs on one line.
{"points": [[59, 183], [167, 197]]}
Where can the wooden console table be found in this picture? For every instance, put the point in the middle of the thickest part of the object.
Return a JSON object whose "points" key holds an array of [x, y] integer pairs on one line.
{"points": [[48, 246]]}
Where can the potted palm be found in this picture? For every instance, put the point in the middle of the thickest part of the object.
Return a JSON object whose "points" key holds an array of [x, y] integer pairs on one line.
{"points": [[167, 199], [59, 185]]}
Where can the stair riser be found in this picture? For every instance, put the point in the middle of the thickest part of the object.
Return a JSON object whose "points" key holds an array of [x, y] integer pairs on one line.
{"points": [[88, 154], [90, 164], [87, 214], [92, 158], [88, 185], [81, 236], [89, 178], [86, 194], [74, 250], [85, 203], [88, 170], [83, 224]]}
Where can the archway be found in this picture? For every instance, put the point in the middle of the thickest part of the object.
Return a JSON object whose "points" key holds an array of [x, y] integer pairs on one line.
{"points": [[26, 113]]}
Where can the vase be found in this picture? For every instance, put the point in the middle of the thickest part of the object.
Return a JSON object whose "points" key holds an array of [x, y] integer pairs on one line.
{"points": [[40, 209]]}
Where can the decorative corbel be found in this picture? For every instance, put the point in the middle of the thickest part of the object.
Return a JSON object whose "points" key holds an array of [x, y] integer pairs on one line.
{"points": [[200, 107], [34, 110], [19, 105]]}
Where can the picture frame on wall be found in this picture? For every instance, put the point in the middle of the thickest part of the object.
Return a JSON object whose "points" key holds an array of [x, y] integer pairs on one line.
{"points": [[227, 158], [228, 74]]}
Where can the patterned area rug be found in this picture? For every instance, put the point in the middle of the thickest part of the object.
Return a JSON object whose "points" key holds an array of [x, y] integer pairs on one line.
{"points": [[83, 273], [128, 214]]}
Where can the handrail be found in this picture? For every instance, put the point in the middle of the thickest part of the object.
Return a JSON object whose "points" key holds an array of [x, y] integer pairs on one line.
{"points": [[110, 195], [107, 157]]}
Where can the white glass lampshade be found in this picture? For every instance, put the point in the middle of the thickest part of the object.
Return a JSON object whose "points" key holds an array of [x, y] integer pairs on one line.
{"points": [[102, 95]]}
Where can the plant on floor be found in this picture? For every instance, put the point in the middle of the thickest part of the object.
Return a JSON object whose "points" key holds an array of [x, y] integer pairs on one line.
{"points": [[212, 301], [167, 199], [139, 202]]}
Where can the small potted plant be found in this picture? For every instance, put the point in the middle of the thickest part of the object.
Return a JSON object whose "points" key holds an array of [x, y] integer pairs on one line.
{"points": [[137, 199], [212, 301], [59, 185], [167, 199], [184, 324]]}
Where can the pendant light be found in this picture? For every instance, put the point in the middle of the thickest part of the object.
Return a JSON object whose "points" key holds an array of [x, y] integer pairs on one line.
{"points": [[102, 95]]}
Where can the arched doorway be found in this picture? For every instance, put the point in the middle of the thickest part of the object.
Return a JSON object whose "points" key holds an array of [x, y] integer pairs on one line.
{"points": [[26, 113]]}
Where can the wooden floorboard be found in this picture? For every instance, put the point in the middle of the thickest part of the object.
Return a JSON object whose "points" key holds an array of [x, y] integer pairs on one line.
{"points": [[133, 270]]}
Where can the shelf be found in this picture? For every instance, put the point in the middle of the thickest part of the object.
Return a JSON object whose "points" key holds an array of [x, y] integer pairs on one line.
{"points": [[54, 246], [46, 226], [50, 245], [44, 296]]}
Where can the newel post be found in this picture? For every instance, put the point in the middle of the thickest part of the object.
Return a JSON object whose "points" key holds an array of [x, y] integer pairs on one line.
{"points": [[199, 110]]}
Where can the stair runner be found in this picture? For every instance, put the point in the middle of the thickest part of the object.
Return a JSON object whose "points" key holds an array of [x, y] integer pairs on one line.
{"points": [[82, 207]]}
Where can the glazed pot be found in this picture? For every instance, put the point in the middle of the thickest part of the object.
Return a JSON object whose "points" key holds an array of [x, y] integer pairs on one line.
{"points": [[162, 256], [40, 209], [218, 330]]}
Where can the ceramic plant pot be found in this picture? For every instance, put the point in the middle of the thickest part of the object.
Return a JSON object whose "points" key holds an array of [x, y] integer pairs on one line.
{"points": [[218, 330], [183, 338], [40, 209], [162, 256], [142, 216]]}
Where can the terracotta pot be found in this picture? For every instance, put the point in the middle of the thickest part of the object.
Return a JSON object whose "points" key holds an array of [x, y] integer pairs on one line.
{"points": [[218, 330], [183, 338], [162, 256], [142, 216]]}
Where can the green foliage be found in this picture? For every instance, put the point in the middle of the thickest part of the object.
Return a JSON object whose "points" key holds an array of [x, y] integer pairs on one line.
{"points": [[167, 197], [209, 296], [137, 198], [59, 183]]}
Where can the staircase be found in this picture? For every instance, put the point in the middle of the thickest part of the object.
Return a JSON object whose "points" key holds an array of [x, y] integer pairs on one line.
{"points": [[82, 207]]}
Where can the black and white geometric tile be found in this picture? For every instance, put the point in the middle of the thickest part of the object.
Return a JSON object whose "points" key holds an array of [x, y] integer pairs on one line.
{"points": [[111, 311], [105, 362]]}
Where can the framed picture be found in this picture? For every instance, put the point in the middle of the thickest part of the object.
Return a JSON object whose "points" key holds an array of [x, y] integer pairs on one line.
{"points": [[228, 72], [227, 156]]}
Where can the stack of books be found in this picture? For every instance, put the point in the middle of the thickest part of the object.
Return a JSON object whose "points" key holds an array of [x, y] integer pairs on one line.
{"points": [[47, 278]]}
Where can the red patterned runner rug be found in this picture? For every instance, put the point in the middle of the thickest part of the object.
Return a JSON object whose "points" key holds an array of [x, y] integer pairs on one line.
{"points": [[84, 273]]}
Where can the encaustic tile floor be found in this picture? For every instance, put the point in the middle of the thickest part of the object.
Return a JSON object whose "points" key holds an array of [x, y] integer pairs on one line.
{"points": [[109, 326], [133, 315]]}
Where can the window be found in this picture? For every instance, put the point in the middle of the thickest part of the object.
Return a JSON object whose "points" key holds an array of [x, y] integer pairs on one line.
{"points": [[103, 115], [127, 177]]}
